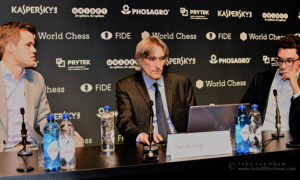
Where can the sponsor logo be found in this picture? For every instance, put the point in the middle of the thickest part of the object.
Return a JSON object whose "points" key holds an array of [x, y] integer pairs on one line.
{"points": [[86, 87], [220, 83], [54, 90], [74, 64], [89, 12], [101, 111], [219, 36], [107, 35], [299, 16], [121, 63], [259, 37], [61, 36], [275, 17], [194, 13], [73, 115], [39, 10], [228, 60], [234, 14], [181, 60], [170, 35], [147, 12], [269, 60]]}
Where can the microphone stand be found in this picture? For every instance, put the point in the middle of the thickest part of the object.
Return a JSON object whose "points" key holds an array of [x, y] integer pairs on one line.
{"points": [[23, 151], [150, 154], [277, 117]]}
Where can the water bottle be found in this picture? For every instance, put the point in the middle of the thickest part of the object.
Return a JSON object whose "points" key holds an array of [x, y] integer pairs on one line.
{"points": [[107, 131], [51, 145], [242, 131], [66, 144], [255, 137]]}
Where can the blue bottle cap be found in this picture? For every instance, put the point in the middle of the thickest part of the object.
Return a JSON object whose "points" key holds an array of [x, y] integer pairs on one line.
{"points": [[106, 108], [50, 117], [66, 116], [254, 106], [242, 107]]}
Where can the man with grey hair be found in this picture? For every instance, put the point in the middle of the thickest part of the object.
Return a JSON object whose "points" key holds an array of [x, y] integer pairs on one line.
{"points": [[171, 93]]}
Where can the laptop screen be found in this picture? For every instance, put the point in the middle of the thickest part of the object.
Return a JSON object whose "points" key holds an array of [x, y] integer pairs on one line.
{"points": [[213, 117]]}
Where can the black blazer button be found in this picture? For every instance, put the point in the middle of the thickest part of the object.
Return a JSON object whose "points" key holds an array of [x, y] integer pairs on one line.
{"points": [[4, 142]]}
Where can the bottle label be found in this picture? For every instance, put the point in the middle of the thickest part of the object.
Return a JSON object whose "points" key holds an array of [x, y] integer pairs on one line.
{"points": [[245, 132], [53, 149], [67, 149]]}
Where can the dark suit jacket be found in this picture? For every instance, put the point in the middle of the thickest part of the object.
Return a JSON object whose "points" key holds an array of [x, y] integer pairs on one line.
{"points": [[259, 92], [133, 102]]}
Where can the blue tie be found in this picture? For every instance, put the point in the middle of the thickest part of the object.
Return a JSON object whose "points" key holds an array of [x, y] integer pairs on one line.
{"points": [[163, 128]]}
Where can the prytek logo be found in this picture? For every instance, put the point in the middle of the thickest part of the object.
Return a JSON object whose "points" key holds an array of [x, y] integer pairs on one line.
{"points": [[170, 35], [234, 14], [39, 10], [215, 60], [269, 60], [220, 83], [148, 12], [86, 87], [101, 111], [262, 37], [89, 12], [275, 17], [106, 35], [121, 63], [219, 36], [74, 64], [194, 13], [181, 61]]}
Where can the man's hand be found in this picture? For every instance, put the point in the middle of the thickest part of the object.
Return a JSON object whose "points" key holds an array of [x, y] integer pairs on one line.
{"points": [[144, 138], [292, 77]]}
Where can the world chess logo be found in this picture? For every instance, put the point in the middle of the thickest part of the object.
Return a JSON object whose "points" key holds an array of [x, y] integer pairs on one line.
{"points": [[145, 34], [243, 36]]}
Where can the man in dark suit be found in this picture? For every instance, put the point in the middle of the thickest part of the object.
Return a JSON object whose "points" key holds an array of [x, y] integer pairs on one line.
{"points": [[171, 94], [286, 81]]}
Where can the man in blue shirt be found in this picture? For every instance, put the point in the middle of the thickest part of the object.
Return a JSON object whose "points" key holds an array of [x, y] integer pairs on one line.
{"points": [[285, 80], [171, 94]]}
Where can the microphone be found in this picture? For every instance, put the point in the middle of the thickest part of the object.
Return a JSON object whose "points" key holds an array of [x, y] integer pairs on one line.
{"points": [[23, 151], [150, 154], [277, 118]]}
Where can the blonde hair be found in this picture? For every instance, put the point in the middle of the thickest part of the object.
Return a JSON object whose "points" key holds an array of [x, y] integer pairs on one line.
{"points": [[145, 48], [10, 32]]}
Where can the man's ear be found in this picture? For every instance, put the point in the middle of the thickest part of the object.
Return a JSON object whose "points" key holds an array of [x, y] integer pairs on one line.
{"points": [[10, 47]]}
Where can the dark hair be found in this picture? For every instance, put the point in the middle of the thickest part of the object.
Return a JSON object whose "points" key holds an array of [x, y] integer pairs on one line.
{"points": [[289, 41], [10, 32]]}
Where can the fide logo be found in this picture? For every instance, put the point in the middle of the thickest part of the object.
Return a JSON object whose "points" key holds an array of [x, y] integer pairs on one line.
{"points": [[106, 35], [86, 87], [211, 35]]}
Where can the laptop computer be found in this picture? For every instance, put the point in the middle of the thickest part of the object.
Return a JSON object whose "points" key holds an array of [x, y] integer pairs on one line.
{"points": [[221, 117]]}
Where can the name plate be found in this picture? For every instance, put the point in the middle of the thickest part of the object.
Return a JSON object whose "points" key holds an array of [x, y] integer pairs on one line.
{"points": [[198, 144]]}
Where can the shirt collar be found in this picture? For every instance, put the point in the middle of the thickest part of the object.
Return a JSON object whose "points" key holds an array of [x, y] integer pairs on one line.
{"points": [[6, 72], [149, 82]]}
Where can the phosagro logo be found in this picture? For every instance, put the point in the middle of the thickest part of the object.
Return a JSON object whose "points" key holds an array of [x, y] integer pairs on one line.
{"points": [[74, 64], [89, 12], [275, 17], [101, 111], [215, 60], [86, 87], [148, 12], [220, 83], [39, 10], [269, 60], [194, 13]]}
